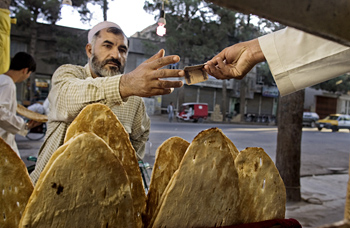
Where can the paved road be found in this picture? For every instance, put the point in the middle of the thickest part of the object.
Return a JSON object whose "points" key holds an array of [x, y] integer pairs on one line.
{"points": [[320, 150]]}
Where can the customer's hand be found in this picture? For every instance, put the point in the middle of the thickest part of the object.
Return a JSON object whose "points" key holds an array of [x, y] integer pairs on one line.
{"points": [[148, 79], [235, 61]]}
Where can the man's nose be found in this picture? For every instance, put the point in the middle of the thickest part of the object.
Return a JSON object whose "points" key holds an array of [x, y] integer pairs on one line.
{"points": [[115, 53]]}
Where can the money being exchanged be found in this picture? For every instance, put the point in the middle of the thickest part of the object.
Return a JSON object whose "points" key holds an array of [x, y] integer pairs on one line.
{"points": [[195, 74]]}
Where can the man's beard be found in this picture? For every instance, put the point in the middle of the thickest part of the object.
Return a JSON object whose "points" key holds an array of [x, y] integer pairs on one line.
{"points": [[101, 71]]}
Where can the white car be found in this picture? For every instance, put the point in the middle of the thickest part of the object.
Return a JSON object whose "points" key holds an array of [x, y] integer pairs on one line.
{"points": [[334, 122]]}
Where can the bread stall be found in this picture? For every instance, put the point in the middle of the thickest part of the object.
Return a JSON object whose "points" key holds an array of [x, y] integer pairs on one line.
{"points": [[203, 183]]}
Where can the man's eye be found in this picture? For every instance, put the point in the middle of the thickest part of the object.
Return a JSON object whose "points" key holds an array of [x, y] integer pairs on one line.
{"points": [[108, 46]]}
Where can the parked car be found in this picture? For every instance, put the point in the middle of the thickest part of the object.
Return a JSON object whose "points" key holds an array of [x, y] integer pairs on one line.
{"points": [[310, 118], [196, 112], [334, 122]]}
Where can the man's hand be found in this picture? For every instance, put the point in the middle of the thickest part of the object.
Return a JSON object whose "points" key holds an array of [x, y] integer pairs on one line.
{"points": [[146, 79], [32, 123], [235, 61]]}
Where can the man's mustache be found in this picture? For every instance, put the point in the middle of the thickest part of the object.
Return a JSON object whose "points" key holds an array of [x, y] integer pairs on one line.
{"points": [[116, 61]]}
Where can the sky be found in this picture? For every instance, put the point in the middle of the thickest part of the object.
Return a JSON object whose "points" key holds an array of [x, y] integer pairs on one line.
{"points": [[128, 14]]}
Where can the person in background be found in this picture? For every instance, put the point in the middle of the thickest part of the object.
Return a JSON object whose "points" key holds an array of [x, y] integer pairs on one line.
{"points": [[296, 59], [170, 111], [46, 106], [37, 107], [21, 66], [102, 80]]}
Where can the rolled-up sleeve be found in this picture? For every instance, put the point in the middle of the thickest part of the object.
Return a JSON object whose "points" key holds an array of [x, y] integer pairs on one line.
{"points": [[298, 59]]}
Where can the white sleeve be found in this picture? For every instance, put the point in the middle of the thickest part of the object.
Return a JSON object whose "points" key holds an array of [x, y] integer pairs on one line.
{"points": [[298, 59], [9, 121]]}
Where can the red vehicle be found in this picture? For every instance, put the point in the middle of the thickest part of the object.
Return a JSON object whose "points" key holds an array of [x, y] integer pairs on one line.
{"points": [[196, 112]]}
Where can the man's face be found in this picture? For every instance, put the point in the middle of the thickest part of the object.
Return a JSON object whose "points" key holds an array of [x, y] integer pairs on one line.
{"points": [[108, 56]]}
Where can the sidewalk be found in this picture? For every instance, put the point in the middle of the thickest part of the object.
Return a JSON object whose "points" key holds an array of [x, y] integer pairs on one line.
{"points": [[323, 200], [323, 195]]}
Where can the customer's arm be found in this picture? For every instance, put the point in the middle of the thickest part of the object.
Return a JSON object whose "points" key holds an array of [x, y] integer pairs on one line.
{"points": [[235, 61], [298, 59]]}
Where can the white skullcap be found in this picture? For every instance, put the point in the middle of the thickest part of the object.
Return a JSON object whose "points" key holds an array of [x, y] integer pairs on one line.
{"points": [[100, 26]]}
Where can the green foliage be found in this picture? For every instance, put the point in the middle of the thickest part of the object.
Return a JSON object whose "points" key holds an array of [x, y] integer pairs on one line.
{"points": [[28, 11], [339, 84], [197, 30], [69, 48], [264, 72]]}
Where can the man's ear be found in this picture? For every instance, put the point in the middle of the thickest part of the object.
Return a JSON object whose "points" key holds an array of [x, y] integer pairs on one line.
{"points": [[88, 49], [25, 70]]}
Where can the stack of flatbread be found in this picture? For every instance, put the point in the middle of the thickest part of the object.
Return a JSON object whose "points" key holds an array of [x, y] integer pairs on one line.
{"points": [[92, 180], [214, 185]]}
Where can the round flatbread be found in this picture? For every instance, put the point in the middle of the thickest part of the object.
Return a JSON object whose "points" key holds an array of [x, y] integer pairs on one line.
{"points": [[205, 191], [23, 111], [168, 158], [99, 119], [262, 191], [85, 186], [155, 213], [233, 148], [15, 186]]}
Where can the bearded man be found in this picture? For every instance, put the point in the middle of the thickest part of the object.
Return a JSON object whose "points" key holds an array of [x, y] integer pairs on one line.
{"points": [[102, 81]]}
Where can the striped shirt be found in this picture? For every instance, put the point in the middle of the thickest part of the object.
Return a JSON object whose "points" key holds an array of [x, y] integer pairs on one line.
{"points": [[73, 88]]}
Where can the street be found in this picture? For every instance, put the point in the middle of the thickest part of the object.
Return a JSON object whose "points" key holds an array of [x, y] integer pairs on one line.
{"points": [[320, 150]]}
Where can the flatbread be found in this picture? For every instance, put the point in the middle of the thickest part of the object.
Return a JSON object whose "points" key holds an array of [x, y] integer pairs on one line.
{"points": [[233, 148], [23, 111], [53, 157], [262, 191], [15, 186], [205, 191], [168, 158], [99, 119], [77, 191], [160, 203]]}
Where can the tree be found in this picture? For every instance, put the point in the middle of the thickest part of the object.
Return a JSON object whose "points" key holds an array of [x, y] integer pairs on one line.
{"points": [[196, 30], [288, 154], [28, 12], [339, 84]]}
